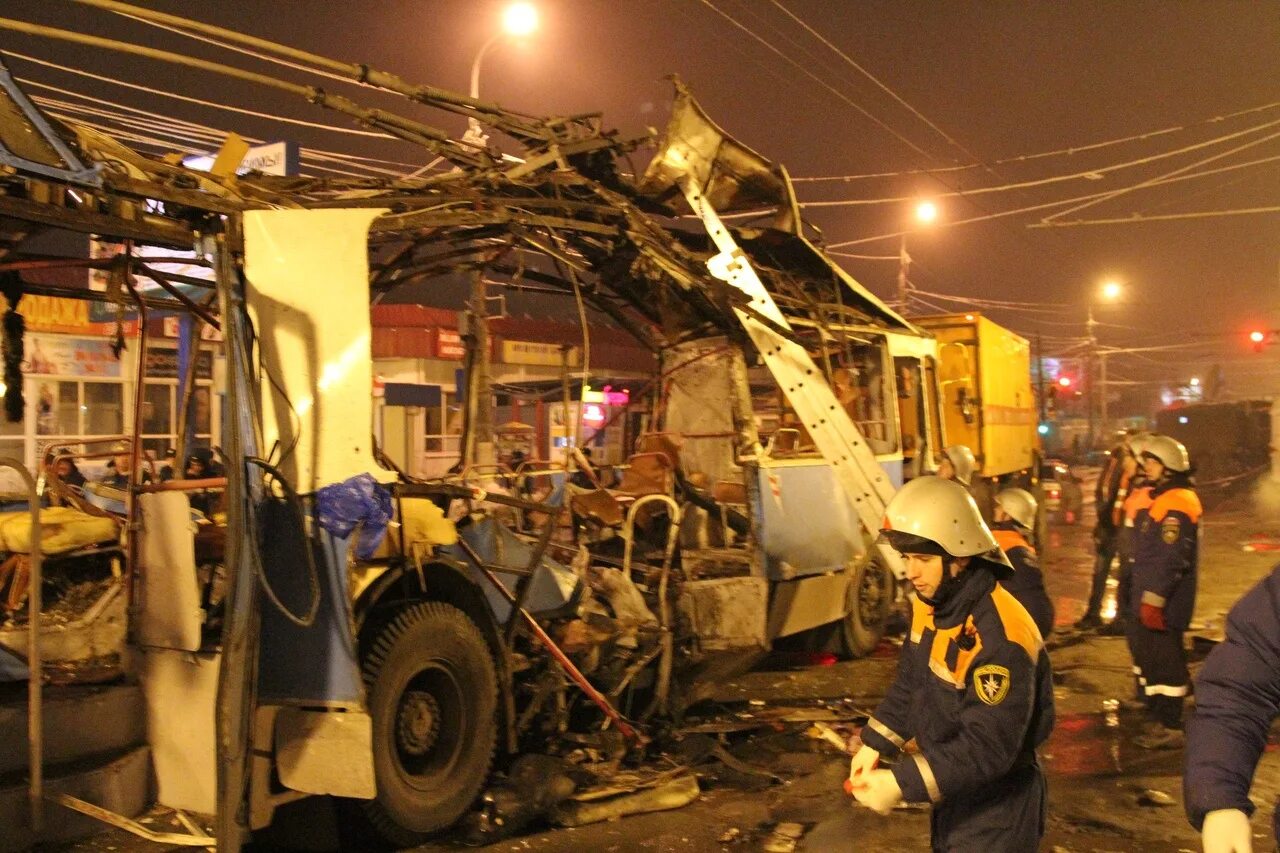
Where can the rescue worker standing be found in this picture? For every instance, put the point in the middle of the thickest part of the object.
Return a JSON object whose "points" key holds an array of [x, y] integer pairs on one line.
{"points": [[1015, 516], [1237, 698], [974, 686], [1162, 590], [1108, 498], [1136, 503]]}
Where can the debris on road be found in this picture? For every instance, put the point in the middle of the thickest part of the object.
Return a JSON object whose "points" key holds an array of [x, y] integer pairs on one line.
{"points": [[671, 794]]}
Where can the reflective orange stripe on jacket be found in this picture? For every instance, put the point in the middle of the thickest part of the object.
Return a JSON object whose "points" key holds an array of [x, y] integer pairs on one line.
{"points": [[1137, 500], [1180, 500], [1010, 539]]}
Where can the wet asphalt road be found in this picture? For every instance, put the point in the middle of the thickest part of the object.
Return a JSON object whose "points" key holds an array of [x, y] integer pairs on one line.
{"points": [[1099, 782]]}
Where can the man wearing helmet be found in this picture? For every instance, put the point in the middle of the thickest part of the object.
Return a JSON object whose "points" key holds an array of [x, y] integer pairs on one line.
{"points": [[1162, 590], [1015, 516], [974, 686], [1108, 500], [958, 463], [1136, 502]]}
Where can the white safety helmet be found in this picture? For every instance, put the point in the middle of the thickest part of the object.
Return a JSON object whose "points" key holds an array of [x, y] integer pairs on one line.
{"points": [[933, 510], [963, 460], [1171, 453], [1020, 505], [1139, 443]]}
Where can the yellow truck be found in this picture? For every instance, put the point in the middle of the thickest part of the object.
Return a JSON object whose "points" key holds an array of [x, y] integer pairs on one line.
{"points": [[984, 383]]}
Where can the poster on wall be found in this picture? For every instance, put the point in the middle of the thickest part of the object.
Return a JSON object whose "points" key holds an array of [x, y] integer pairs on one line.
{"points": [[55, 355]]}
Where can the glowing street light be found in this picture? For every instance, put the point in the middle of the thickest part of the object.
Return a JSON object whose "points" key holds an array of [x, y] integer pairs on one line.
{"points": [[1195, 381], [1109, 291], [520, 19], [926, 213]]}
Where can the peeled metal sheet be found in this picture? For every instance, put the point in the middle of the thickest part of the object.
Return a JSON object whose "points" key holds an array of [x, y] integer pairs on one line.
{"points": [[179, 689], [552, 587], [168, 594], [805, 523], [308, 291]]}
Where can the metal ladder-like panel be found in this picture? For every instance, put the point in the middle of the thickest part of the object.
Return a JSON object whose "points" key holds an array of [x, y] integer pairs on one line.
{"points": [[838, 439]]}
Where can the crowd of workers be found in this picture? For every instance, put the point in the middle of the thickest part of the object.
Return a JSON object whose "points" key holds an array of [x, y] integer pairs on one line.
{"points": [[974, 686]]}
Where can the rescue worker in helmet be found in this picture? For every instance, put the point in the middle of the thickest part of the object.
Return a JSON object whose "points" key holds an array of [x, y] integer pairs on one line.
{"points": [[974, 686], [1162, 591], [1108, 500], [958, 463], [1015, 518], [1134, 507]]}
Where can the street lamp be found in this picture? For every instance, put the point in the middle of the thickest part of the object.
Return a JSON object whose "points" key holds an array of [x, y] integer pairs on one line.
{"points": [[519, 19], [926, 213], [1110, 291]]}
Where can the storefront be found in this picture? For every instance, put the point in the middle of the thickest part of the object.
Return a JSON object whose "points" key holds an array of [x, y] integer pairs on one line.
{"points": [[77, 389], [419, 389]]}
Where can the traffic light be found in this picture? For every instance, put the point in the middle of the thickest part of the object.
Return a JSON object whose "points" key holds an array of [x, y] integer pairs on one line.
{"points": [[1258, 337], [1064, 381]]}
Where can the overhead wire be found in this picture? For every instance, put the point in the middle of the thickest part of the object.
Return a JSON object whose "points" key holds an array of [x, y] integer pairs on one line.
{"points": [[823, 83], [1203, 162], [97, 103], [1058, 152], [1161, 217], [198, 101], [265, 57], [1089, 174], [190, 133], [882, 86], [830, 247]]}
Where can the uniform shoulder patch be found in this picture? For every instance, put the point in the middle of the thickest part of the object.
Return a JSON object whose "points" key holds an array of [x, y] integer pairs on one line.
{"points": [[1170, 529], [991, 683]]}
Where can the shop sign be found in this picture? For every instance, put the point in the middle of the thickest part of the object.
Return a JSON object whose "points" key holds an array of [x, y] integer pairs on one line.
{"points": [[59, 356], [68, 316], [449, 344], [269, 158], [608, 396], [162, 363], [529, 352]]}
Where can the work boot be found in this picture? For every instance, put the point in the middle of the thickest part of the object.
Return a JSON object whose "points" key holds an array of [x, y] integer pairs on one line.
{"points": [[1114, 628], [1160, 737], [1088, 622]]}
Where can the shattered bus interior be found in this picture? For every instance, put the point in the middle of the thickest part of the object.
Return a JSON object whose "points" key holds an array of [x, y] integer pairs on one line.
{"points": [[448, 626]]}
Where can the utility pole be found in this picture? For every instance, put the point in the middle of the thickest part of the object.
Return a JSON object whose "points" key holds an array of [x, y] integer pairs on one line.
{"points": [[1102, 392], [481, 386], [1044, 411], [1090, 372], [904, 264]]}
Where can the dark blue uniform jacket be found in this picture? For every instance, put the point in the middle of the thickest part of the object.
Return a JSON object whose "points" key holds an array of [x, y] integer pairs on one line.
{"points": [[1165, 547], [1237, 697], [974, 689], [1027, 581]]}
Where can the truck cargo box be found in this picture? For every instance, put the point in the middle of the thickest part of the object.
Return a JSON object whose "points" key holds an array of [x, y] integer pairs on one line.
{"points": [[984, 378]]}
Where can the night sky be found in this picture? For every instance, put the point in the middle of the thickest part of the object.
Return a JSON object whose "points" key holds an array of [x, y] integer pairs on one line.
{"points": [[996, 80]]}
